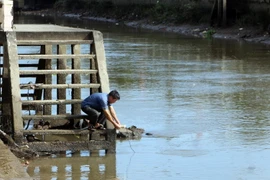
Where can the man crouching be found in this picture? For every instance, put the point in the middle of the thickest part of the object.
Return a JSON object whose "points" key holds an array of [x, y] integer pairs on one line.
{"points": [[98, 107]]}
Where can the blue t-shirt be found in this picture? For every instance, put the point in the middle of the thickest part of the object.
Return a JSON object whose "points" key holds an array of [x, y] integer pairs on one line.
{"points": [[97, 101]]}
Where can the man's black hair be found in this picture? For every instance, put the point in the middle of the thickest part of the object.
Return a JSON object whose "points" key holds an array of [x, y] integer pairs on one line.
{"points": [[114, 94]]}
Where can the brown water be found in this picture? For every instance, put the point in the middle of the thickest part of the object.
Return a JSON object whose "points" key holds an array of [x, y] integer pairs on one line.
{"points": [[205, 101]]}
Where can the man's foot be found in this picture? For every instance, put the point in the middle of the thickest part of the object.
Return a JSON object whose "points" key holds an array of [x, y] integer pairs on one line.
{"points": [[99, 126], [91, 128]]}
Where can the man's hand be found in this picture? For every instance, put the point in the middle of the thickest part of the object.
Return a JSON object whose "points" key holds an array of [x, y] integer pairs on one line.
{"points": [[117, 126], [112, 117]]}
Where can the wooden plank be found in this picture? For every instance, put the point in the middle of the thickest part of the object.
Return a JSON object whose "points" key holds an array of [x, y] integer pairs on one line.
{"points": [[58, 86], [56, 102], [54, 117], [47, 109], [54, 56], [65, 71], [61, 78], [76, 79], [53, 42], [98, 49]]}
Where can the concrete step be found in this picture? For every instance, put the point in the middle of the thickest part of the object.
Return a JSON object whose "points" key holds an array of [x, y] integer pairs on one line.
{"points": [[52, 42], [60, 71], [55, 56], [58, 86], [53, 117]]}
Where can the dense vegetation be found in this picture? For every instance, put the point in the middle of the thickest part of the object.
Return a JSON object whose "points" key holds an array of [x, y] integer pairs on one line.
{"points": [[159, 13], [190, 11]]}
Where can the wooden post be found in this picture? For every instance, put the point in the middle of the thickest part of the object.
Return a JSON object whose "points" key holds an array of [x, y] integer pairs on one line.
{"points": [[61, 79], [14, 77], [47, 109], [224, 21], [76, 79]]}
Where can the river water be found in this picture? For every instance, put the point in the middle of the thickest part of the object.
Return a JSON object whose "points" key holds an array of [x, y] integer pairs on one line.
{"points": [[206, 102]]}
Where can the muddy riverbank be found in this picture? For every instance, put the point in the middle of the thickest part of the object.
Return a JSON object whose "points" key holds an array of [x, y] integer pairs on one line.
{"points": [[249, 34], [11, 167]]}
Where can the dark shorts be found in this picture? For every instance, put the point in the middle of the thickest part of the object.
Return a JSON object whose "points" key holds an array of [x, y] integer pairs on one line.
{"points": [[94, 116]]}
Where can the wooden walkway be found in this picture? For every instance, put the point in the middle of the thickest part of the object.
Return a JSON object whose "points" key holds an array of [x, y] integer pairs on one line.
{"points": [[44, 70]]}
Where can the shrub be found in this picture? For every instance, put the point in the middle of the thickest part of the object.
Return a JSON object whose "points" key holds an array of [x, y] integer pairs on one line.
{"points": [[259, 19]]}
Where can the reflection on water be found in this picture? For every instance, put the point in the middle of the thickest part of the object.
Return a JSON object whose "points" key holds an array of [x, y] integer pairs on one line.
{"points": [[74, 166], [205, 101]]}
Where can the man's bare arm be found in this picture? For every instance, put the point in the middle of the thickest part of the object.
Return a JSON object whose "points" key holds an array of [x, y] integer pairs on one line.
{"points": [[110, 118], [113, 114]]}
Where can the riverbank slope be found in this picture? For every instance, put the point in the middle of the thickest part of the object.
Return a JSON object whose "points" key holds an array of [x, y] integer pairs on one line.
{"points": [[249, 34], [11, 167]]}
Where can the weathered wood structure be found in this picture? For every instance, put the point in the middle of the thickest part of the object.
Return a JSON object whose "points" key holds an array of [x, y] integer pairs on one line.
{"points": [[45, 70]]}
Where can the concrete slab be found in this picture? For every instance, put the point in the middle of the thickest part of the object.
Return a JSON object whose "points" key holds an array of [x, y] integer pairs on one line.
{"points": [[46, 28], [41, 32], [10, 166]]}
